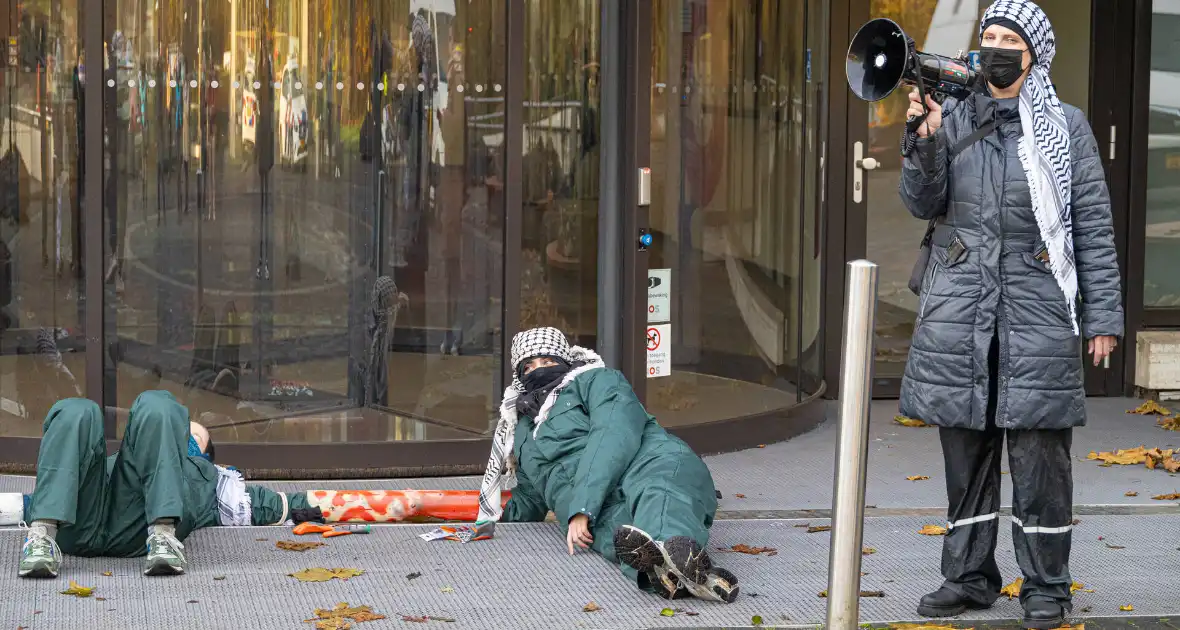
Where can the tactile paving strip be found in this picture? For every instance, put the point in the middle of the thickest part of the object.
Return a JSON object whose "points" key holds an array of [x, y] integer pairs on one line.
{"points": [[524, 578]]}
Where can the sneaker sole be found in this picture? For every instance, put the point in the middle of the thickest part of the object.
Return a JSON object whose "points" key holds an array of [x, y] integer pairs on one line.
{"points": [[635, 548], [723, 584], [38, 573], [163, 568], [687, 558]]}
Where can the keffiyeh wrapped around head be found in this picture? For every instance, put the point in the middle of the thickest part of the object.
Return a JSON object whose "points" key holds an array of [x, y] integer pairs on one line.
{"points": [[500, 473], [1044, 148]]}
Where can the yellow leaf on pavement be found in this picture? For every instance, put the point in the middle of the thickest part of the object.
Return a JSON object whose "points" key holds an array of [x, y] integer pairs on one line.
{"points": [[1013, 589], [1127, 608], [78, 591], [1170, 424], [868, 551], [1150, 408], [1175, 496], [1130, 493], [1123, 456], [917, 478], [909, 422], [591, 607], [932, 530], [319, 574], [1078, 586]]}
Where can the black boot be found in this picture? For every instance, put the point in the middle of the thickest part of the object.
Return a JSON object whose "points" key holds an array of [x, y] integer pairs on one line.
{"points": [[1043, 613], [946, 603]]}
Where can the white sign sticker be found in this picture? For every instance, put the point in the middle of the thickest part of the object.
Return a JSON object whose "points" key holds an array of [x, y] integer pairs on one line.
{"points": [[659, 354], [659, 295]]}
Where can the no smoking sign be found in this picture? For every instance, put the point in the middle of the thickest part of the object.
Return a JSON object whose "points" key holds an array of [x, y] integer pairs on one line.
{"points": [[659, 359]]}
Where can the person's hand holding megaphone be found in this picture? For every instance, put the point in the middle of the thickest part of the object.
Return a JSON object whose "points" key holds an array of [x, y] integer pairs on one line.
{"points": [[932, 112]]}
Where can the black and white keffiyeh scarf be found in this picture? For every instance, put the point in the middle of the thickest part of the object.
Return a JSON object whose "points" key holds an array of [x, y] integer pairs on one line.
{"points": [[500, 474], [1044, 148]]}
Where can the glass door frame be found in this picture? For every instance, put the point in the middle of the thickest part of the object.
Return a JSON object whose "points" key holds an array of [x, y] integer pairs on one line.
{"points": [[1112, 32]]}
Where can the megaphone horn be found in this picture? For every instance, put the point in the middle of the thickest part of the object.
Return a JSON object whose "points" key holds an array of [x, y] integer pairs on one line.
{"points": [[882, 57]]}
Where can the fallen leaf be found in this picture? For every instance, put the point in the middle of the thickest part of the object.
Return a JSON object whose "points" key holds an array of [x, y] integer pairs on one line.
{"points": [[413, 576], [1150, 408], [192, 601], [1169, 424], [756, 620], [591, 607], [815, 529], [932, 530], [761, 446], [446, 589], [740, 496], [1078, 586], [1087, 609], [1127, 608], [100, 599], [1013, 589], [868, 551], [753, 551], [1130, 493], [78, 591], [1167, 497], [909, 422], [667, 612], [1122, 457], [219, 577], [1076, 521], [1110, 546], [917, 478], [291, 545], [262, 539], [107, 574], [413, 619], [319, 574], [337, 618]]}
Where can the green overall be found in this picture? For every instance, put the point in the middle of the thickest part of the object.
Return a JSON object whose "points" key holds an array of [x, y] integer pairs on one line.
{"points": [[105, 504], [600, 454]]}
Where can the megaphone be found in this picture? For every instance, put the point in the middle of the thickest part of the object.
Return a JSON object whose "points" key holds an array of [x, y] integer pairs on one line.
{"points": [[882, 58]]}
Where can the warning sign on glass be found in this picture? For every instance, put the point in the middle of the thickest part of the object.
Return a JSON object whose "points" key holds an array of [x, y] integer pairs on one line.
{"points": [[659, 296], [659, 356]]}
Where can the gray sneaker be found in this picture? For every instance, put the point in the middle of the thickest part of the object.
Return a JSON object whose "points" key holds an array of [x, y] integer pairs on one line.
{"points": [[165, 555], [40, 557]]}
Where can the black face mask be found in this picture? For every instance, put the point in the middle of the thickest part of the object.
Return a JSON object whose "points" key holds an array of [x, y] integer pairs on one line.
{"points": [[1001, 66], [542, 376]]}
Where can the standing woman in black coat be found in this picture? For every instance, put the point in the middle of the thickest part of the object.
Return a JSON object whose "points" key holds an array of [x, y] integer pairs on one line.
{"points": [[1022, 269]]}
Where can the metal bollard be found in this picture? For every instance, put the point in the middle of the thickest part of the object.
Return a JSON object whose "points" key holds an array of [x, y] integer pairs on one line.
{"points": [[848, 492]]}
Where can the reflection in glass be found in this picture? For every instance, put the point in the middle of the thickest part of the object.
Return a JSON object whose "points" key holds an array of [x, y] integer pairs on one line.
{"points": [[559, 275], [42, 340], [1161, 283], [734, 164], [305, 239]]}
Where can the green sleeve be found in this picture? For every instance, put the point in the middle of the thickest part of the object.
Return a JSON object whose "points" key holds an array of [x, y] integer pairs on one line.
{"points": [[526, 505], [617, 420]]}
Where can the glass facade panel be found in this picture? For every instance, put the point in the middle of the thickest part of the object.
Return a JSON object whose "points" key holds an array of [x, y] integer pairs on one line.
{"points": [[1161, 283], [559, 274], [42, 338], [732, 145], [305, 238]]}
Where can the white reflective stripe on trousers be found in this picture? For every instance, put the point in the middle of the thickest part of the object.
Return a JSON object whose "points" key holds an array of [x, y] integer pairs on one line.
{"points": [[973, 520], [1036, 529]]}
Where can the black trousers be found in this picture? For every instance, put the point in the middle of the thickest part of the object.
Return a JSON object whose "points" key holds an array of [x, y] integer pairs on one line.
{"points": [[1042, 506]]}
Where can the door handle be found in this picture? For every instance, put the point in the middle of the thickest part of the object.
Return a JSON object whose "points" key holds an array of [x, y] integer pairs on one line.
{"points": [[860, 164]]}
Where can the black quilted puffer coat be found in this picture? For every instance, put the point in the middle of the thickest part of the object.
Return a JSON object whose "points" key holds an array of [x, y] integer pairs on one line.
{"points": [[1001, 285]]}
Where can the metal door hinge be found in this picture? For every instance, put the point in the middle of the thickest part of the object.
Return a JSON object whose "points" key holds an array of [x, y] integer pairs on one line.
{"points": [[1113, 141]]}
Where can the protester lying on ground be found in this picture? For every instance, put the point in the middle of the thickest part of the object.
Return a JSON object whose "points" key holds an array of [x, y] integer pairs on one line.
{"points": [[145, 499], [579, 443]]}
